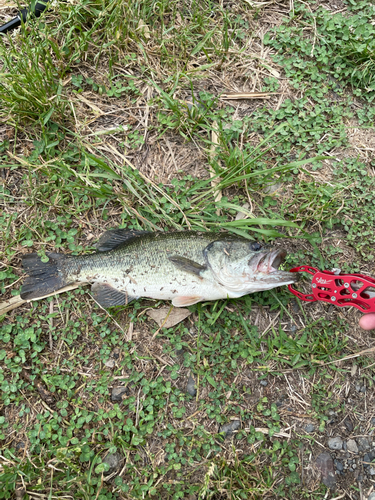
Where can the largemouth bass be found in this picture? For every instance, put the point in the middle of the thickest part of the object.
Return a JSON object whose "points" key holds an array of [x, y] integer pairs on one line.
{"points": [[184, 267]]}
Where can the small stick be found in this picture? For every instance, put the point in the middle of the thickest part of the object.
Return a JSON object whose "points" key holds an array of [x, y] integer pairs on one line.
{"points": [[16, 301], [215, 180], [249, 95]]}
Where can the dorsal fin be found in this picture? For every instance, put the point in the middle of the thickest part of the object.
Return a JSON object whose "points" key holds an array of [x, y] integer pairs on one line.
{"points": [[115, 237]]}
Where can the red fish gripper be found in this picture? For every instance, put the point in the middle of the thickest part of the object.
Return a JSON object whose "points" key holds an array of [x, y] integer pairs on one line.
{"points": [[356, 290]]}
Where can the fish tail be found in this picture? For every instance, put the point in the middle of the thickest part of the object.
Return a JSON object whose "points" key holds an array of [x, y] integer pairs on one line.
{"points": [[43, 277]]}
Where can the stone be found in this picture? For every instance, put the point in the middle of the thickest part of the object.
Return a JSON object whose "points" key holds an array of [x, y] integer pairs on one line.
{"points": [[371, 471], [20, 445], [281, 401], [228, 429], [324, 464], [348, 424], [372, 423], [372, 496], [368, 458], [113, 460], [116, 353], [20, 493], [352, 446], [335, 443], [118, 393], [363, 444], [264, 383], [339, 465], [110, 363], [190, 387], [309, 428]]}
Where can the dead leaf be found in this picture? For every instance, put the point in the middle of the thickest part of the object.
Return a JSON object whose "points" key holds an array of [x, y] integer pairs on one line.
{"points": [[144, 29], [243, 215], [178, 21], [165, 320]]}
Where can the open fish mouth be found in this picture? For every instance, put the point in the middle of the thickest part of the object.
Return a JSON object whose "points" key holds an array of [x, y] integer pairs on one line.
{"points": [[268, 262]]}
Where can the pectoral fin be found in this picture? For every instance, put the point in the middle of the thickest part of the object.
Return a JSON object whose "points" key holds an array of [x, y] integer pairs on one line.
{"points": [[187, 300], [107, 296], [187, 265]]}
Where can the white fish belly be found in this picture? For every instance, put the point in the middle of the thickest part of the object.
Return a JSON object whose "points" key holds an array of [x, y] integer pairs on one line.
{"points": [[166, 289]]}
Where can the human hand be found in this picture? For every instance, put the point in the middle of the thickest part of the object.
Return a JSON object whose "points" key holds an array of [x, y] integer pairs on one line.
{"points": [[367, 322]]}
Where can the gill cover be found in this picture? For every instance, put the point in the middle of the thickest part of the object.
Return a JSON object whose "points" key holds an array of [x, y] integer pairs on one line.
{"points": [[241, 270]]}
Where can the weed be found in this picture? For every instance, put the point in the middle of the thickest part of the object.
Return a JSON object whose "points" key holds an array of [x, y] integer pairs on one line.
{"points": [[96, 95]]}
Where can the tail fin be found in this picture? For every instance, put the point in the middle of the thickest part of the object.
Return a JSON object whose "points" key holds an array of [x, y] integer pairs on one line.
{"points": [[43, 277]]}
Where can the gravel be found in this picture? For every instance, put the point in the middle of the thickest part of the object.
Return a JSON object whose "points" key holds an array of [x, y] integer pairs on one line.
{"points": [[335, 443], [118, 393], [309, 428], [113, 460], [363, 444], [348, 424], [339, 465], [190, 387], [228, 429], [352, 446], [324, 463], [368, 457]]}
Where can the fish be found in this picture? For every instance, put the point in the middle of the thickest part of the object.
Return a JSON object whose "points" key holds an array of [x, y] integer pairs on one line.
{"points": [[185, 267]]}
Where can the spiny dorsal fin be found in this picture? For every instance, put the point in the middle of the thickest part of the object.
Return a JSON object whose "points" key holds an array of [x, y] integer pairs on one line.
{"points": [[115, 237], [187, 265], [107, 296]]}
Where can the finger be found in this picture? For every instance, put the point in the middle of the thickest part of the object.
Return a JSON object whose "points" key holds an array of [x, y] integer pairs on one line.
{"points": [[367, 322]]}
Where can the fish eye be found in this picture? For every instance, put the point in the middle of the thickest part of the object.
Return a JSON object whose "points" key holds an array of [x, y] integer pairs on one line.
{"points": [[255, 246]]}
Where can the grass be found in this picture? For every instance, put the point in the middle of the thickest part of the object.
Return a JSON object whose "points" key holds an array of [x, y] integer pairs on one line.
{"points": [[107, 119]]}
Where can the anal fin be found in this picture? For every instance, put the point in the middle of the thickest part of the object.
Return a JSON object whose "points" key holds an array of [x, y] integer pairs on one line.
{"points": [[186, 300], [107, 296]]}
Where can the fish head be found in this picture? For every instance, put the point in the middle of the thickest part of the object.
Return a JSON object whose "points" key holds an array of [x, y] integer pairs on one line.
{"points": [[243, 267]]}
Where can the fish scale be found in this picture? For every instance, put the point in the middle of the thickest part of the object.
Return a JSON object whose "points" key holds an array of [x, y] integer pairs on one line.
{"points": [[185, 267]]}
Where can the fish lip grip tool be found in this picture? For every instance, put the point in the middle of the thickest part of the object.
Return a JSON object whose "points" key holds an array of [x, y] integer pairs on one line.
{"points": [[356, 290]]}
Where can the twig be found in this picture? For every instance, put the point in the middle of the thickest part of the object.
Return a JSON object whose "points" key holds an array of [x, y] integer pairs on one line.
{"points": [[15, 302], [249, 95], [215, 180]]}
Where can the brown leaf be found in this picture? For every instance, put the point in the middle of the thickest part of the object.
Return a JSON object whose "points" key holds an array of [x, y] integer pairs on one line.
{"points": [[165, 320], [144, 29]]}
